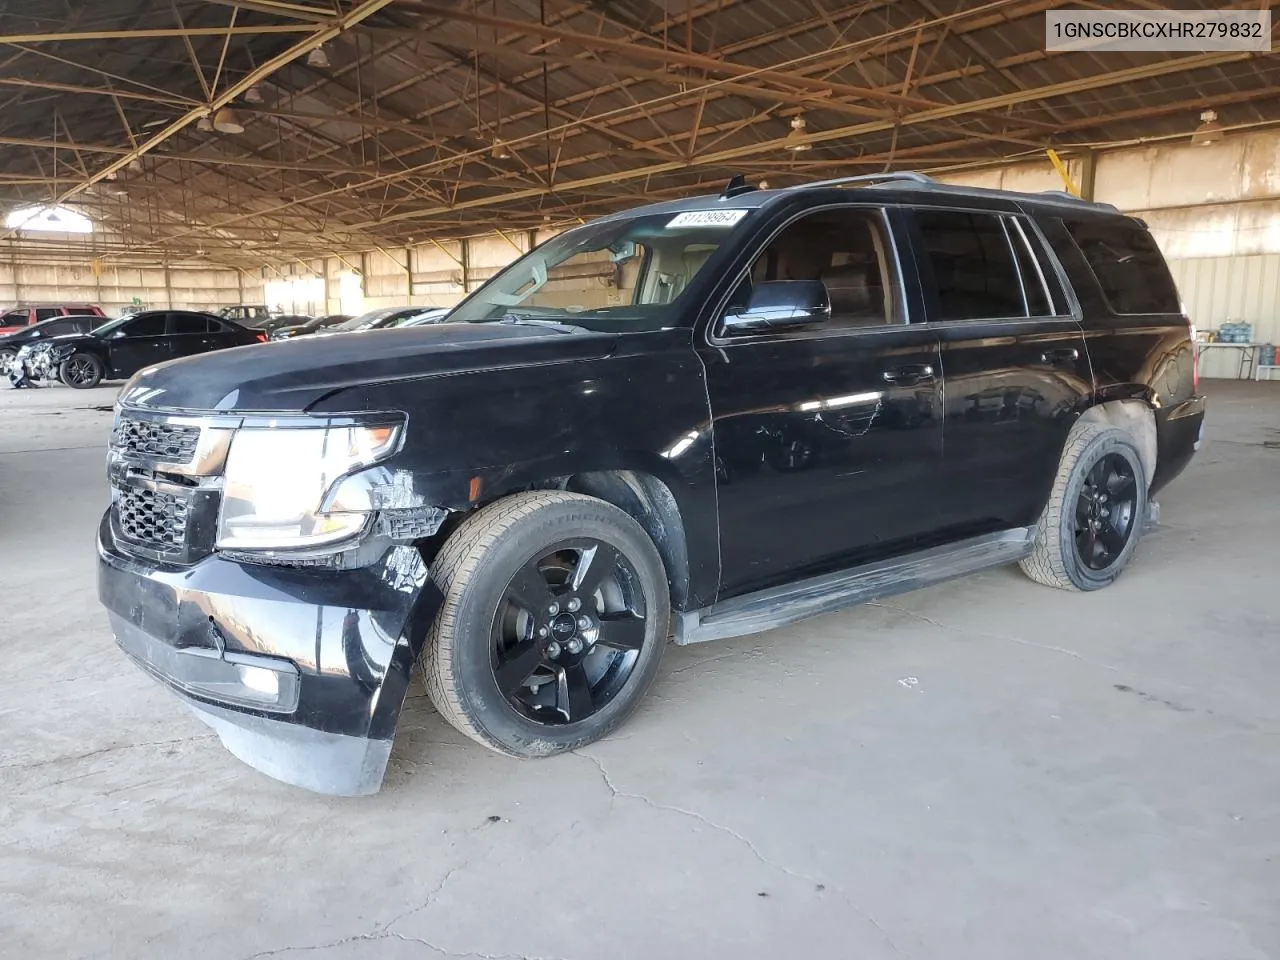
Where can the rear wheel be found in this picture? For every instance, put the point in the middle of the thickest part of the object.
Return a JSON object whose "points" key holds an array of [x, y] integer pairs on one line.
{"points": [[1092, 524], [81, 370], [555, 616]]}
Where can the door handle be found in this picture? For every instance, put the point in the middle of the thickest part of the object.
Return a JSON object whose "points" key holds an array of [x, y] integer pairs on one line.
{"points": [[909, 375], [1064, 355]]}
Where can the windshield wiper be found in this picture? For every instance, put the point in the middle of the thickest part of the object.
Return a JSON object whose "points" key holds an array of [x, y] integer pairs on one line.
{"points": [[520, 319]]}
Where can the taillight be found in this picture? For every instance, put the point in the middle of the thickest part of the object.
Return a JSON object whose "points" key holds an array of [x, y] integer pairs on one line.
{"points": [[1195, 358], [260, 337]]}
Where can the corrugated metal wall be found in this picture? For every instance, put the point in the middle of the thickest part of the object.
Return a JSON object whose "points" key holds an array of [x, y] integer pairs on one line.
{"points": [[1219, 290]]}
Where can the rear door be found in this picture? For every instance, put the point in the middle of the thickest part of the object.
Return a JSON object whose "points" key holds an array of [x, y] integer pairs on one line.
{"points": [[189, 334], [1014, 364], [828, 440]]}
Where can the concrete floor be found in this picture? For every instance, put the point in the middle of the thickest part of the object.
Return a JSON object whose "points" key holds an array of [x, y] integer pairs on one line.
{"points": [[987, 769]]}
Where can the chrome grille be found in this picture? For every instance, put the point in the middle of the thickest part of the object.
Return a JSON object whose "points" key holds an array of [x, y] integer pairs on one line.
{"points": [[151, 518], [157, 441]]}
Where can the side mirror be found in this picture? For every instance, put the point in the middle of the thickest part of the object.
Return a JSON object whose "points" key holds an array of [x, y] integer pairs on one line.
{"points": [[782, 305]]}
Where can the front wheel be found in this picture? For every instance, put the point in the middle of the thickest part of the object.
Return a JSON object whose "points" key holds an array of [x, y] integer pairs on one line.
{"points": [[1092, 523], [81, 370], [556, 611]]}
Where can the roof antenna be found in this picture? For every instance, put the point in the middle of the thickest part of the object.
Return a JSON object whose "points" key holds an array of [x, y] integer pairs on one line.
{"points": [[737, 186]]}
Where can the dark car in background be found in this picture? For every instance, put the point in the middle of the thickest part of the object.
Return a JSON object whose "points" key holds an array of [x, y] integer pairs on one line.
{"points": [[774, 404], [377, 319], [120, 348], [15, 340], [301, 328], [16, 318]]}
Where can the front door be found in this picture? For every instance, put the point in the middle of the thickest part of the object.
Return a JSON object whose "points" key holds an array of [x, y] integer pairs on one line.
{"points": [[828, 437], [139, 343], [1015, 367]]}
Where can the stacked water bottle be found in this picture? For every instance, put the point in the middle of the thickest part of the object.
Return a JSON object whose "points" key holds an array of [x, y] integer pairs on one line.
{"points": [[1267, 355], [1235, 333]]}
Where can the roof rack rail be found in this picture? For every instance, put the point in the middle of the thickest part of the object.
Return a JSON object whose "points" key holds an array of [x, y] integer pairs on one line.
{"points": [[1063, 195], [910, 175]]}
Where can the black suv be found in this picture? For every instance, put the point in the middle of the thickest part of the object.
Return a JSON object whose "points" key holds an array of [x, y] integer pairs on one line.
{"points": [[692, 420]]}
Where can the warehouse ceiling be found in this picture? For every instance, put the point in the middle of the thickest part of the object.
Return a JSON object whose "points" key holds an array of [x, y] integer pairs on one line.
{"points": [[245, 132]]}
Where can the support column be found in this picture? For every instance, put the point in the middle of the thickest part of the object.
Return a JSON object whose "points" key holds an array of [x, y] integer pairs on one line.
{"points": [[1088, 174], [465, 257]]}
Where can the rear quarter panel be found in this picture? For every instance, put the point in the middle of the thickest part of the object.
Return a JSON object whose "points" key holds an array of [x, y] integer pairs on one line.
{"points": [[1147, 357]]}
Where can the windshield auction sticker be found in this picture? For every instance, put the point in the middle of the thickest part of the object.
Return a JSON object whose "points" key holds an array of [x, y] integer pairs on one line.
{"points": [[707, 218]]}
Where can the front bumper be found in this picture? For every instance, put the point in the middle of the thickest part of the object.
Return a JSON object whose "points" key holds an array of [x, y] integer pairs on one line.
{"points": [[301, 672]]}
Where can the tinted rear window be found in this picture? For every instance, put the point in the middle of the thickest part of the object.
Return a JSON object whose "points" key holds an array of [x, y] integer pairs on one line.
{"points": [[190, 323], [972, 264], [1129, 266]]}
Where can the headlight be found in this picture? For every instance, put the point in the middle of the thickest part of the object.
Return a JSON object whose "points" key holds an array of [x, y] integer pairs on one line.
{"points": [[283, 492]]}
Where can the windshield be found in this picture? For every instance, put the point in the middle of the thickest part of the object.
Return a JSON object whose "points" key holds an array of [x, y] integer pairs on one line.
{"points": [[616, 275], [366, 320]]}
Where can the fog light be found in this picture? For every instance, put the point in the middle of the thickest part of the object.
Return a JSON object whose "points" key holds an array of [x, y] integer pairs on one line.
{"points": [[260, 679]]}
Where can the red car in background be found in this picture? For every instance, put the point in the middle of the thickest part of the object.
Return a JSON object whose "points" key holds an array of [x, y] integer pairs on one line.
{"points": [[23, 316]]}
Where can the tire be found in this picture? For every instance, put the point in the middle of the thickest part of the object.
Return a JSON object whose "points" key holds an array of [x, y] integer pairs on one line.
{"points": [[80, 371], [485, 630], [1069, 552]]}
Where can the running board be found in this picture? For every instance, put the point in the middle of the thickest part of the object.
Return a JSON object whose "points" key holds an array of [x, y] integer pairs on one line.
{"points": [[793, 602]]}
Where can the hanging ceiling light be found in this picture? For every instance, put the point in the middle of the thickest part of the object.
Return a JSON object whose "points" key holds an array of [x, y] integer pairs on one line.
{"points": [[764, 184], [795, 141], [318, 58], [203, 125], [253, 95], [499, 150], [1209, 131], [226, 121]]}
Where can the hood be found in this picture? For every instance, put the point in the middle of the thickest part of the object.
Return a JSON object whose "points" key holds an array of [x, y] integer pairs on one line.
{"points": [[288, 376], [69, 340]]}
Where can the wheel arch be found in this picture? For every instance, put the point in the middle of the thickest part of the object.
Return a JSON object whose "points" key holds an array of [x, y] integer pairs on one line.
{"points": [[650, 502], [672, 512], [1134, 412]]}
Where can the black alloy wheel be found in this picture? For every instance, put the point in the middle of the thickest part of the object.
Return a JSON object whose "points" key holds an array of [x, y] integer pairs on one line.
{"points": [[568, 631], [81, 370], [1105, 512]]}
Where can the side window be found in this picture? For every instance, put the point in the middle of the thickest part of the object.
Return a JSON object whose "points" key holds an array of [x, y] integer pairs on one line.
{"points": [[15, 318], [846, 250], [151, 325], [188, 323], [1129, 266], [974, 272], [57, 327], [47, 313]]}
